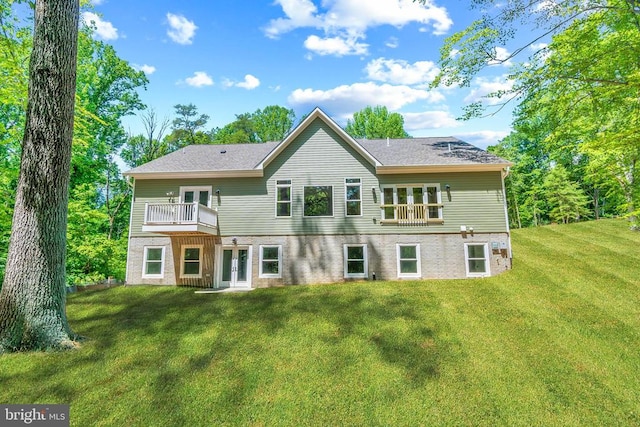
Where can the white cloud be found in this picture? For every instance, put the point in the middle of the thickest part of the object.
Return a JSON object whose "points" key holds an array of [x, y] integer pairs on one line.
{"points": [[199, 79], [429, 120], [250, 82], [483, 138], [402, 72], [484, 86], [97, 2], [147, 69], [344, 100], [349, 20], [181, 29], [335, 46], [103, 29]]}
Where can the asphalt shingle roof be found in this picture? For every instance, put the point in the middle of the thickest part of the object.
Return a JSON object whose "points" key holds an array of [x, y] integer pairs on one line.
{"points": [[427, 151], [393, 152], [209, 158]]}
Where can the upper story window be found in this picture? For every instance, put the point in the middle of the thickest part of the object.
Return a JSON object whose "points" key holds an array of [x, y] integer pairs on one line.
{"points": [[412, 204], [283, 197], [353, 196], [202, 195], [318, 200]]}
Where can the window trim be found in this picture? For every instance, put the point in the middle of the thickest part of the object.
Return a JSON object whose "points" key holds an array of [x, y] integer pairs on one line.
{"points": [[424, 186], [184, 189], [365, 254], [304, 202], [264, 275], [290, 201], [183, 250], [145, 260], [346, 200], [418, 272], [487, 259]]}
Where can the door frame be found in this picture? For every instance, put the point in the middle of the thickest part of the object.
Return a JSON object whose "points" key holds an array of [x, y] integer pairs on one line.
{"points": [[234, 284]]}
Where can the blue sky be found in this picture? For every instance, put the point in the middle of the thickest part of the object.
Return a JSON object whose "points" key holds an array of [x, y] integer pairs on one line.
{"points": [[229, 57]]}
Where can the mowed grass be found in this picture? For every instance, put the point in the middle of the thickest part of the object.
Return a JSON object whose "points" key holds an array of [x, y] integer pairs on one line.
{"points": [[555, 341]]}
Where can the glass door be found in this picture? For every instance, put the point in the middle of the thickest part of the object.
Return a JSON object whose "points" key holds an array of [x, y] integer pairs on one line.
{"points": [[235, 267]]}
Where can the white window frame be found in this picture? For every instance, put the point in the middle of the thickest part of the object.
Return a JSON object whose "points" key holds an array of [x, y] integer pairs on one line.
{"points": [[418, 272], [197, 188], [183, 250], [261, 273], [346, 200], [410, 197], [486, 259], [145, 260], [333, 207], [365, 254], [290, 201]]}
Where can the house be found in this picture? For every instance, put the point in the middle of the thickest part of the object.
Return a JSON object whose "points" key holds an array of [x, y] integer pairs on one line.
{"points": [[318, 207]]}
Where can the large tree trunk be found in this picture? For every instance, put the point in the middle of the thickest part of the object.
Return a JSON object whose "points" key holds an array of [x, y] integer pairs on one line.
{"points": [[32, 300]]}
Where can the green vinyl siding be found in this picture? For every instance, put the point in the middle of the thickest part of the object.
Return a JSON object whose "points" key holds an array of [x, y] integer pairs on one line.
{"points": [[319, 157]]}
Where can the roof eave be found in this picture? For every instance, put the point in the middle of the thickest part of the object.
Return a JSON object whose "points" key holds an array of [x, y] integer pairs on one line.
{"points": [[484, 167], [250, 173]]}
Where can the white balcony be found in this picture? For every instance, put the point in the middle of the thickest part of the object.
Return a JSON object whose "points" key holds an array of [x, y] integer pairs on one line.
{"points": [[179, 218]]}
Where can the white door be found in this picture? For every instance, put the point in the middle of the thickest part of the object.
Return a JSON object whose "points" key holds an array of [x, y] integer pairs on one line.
{"points": [[235, 267]]}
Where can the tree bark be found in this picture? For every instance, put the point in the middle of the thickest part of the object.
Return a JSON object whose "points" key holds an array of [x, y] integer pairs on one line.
{"points": [[33, 295]]}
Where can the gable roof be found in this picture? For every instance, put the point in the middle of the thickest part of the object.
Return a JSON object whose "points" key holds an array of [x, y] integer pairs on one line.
{"points": [[410, 155], [317, 113]]}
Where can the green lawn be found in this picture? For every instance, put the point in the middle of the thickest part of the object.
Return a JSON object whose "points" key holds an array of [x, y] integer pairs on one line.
{"points": [[555, 341]]}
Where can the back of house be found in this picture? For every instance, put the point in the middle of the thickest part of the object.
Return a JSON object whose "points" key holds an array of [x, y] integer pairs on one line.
{"points": [[318, 207]]}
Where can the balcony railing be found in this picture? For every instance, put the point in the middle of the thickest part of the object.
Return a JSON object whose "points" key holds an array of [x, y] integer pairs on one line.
{"points": [[170, 217], [412, 214]]}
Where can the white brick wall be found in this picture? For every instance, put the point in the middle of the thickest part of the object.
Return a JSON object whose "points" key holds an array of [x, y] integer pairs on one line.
{"points": [[319, 258]]}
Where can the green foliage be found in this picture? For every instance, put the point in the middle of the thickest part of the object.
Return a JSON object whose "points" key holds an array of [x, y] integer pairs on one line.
{"points": [[269, 124], [375, 123], [187, 127], [551, 343], [566, 200], [99, 197], [583, 109]]}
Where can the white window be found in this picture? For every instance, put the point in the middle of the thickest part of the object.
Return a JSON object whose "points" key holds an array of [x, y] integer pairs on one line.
{"points": [[153, 264], [412, 203], [191, 261], [283, 197], [476, 257], [271, 261], [408, 260], [202, 195], [353, 196], [318, 200], [356, 261]]}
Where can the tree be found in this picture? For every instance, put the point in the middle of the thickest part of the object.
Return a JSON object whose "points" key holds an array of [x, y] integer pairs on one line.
{"points": [[141, 149], [579, 103], [565, 198], [187, 127], [375, 123], [273, 123], [33, 295], [269, 124]]}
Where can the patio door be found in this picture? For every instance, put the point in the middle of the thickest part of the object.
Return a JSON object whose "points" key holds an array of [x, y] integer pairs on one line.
{"points": [[412, 196], [235, 267]]}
